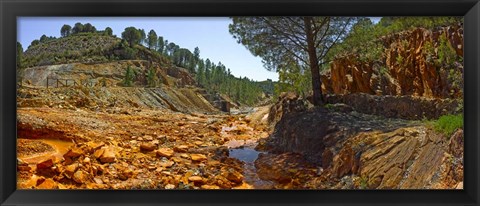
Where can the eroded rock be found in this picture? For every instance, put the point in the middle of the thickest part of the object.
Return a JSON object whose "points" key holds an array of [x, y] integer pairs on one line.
{"points": [[165, 152], [198, 157], [148, 147]]}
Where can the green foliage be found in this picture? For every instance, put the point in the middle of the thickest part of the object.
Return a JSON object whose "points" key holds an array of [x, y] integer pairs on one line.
{"points": [[34, 43], [388, 25], [399, 60], [383, 70], [305, 40], [429, 51], [184, 58], [447, 55], [19, 64], [293, 77], [444, 57], [328, 106], [361, 40], [268, 86], [44, 38], [81, 28], [129, 53], [152, 39], [77, 28], [129, 76], [160, 45], [363, 183], [152, 79], [132, 36], [364, 38], [217, 78], [66, 30], [143, 36], [171, 48], [200, 77], [448, 124], [108, 31]]}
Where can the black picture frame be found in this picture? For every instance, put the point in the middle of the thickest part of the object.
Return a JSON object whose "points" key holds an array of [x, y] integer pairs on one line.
{"points": [[10, 10]]}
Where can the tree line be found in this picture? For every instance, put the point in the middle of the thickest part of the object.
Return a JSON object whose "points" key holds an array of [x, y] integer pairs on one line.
{"points": [[213, 77]]}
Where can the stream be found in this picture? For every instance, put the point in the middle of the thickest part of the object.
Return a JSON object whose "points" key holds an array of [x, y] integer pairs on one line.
{"points": [[248, 155]]}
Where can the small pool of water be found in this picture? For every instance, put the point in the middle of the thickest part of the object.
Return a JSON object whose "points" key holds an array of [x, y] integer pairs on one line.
{"points": [[61, 147], [248, 156], [244, 154]]}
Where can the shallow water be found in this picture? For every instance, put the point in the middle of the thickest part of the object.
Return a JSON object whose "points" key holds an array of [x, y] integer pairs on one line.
{"points": [[248, 156], [245, 154], [61, 147]]}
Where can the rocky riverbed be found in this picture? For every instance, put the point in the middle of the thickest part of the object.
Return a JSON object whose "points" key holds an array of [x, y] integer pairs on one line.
{"points": [[289, 145], [147, 149]]}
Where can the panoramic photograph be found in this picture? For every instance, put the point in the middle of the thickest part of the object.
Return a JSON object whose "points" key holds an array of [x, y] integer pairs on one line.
{"points": [[276, 103]]}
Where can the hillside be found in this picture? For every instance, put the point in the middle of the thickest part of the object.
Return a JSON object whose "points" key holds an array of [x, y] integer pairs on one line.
{"points": [[85, 48]]}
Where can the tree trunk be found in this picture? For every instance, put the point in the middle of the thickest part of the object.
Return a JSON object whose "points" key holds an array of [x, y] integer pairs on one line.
{"points": [[313, 59]]}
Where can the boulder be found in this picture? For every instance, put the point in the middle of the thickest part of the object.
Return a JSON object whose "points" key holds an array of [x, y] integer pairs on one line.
{"points": [[198, 157], [196, 179], [70, 170], [327, 158], [233, 176], [455, 144], [105, 155], [165, 152], [210, 187], [148, 147], [343, 162], [73, 153], [47, 184], [23, 167], [80, 177], [181, 148], [45, 164], [281, 168]]}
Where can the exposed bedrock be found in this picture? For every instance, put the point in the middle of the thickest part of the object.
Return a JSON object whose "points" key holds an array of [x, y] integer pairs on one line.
{"points": [[404, 70]]}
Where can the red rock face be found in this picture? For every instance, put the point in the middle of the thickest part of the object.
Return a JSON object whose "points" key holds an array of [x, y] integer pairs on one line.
{"points": [[405, 69]]}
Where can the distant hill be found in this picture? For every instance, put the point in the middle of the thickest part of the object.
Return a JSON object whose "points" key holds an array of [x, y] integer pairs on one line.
{"points": [[86, 48], [268, 86]]}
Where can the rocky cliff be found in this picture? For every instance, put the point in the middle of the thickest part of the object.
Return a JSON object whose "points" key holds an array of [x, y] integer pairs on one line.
{"points": [[354, 150], [415, 62]]}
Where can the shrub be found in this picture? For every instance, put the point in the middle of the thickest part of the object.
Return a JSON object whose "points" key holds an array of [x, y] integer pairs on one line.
{"points": [[363, 183], [129, 75], [152, 79], [383, 70], [328, 106], [447, 124]]}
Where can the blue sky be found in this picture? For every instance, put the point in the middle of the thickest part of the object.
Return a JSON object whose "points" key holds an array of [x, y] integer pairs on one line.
{"points": [[210, 34]]}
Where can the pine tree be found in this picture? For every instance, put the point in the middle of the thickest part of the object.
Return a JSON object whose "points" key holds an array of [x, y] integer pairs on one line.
{"points": [[65, 30], [129, 75], [152, 79], [152, 39]]}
